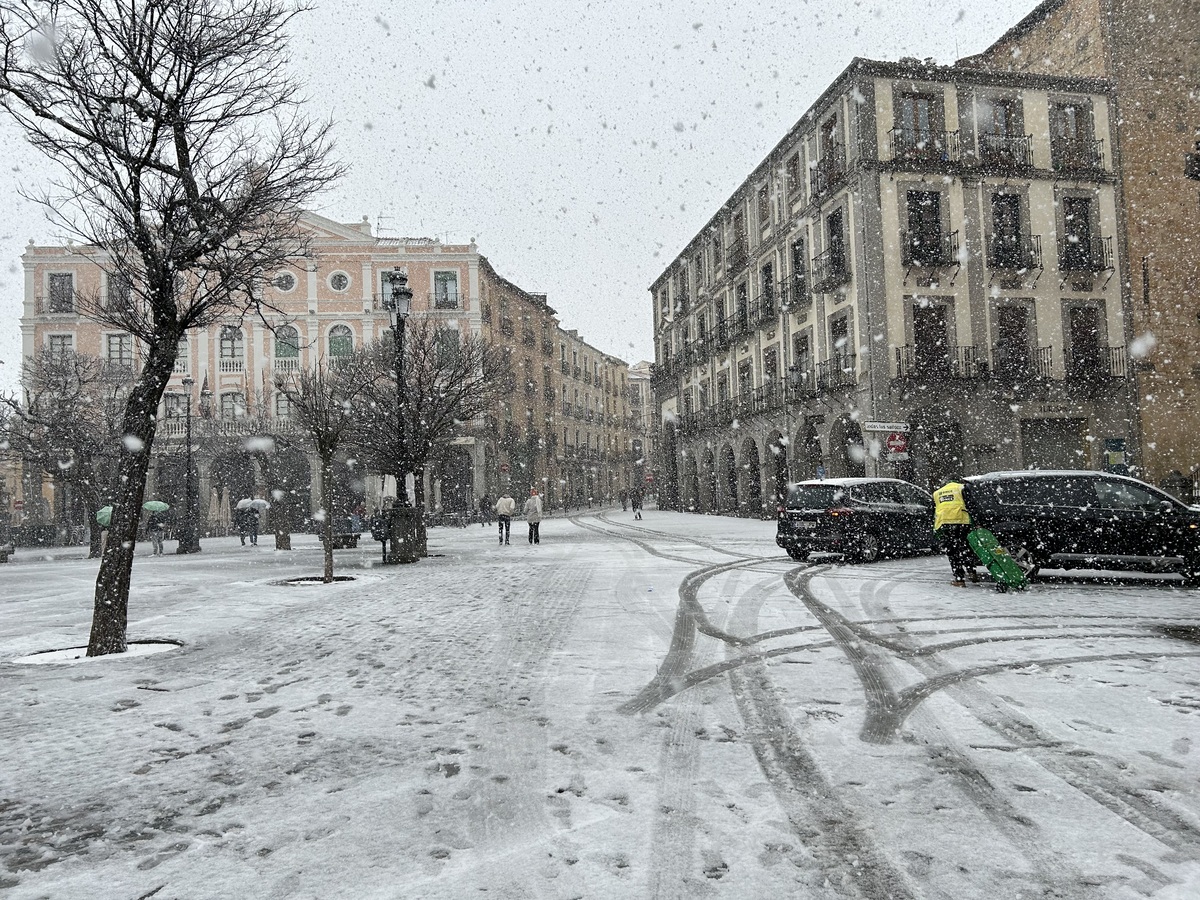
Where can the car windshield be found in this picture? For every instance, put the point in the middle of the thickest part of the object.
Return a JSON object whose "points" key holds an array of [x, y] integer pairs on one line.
{"points": [[816, 496]]}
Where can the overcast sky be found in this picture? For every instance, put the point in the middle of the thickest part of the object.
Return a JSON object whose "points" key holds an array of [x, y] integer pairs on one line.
{"points": [[580, 144]]}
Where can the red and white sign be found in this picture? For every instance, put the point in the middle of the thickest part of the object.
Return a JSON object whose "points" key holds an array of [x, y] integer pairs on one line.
{"points": [[897, 442], [18, 504]]}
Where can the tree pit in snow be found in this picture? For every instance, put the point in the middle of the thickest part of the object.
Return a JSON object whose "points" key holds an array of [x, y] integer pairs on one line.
{"points": [[73, 655], [303, 580]]}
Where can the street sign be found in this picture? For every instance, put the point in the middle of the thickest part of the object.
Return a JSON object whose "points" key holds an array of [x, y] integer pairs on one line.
{"points": [[885, 426], [504, 467], [18, 504], [897, 442]]}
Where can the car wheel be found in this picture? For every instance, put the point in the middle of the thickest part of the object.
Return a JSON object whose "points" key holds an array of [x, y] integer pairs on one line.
{"points": [[868, 548], [1191, 574], [797, 554]]}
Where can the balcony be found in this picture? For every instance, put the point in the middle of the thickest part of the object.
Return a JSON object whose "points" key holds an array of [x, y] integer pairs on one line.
{"points": [[445, 300], [1080, 155], [1088, 364], [1014, 252], [232, 365], [1092, 254], [286, 363], [801, 383], [577, 372], [527, 337], [1019, 363], [567, 408], [837, 374], [565, 367], [946, 363], [830, 269], [506, 326], [181, 365], [923, 146], [547, 348], [830, 170], [1005, 151], [929, 249]]}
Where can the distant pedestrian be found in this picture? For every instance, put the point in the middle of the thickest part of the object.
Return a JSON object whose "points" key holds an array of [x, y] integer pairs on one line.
{"points": [[533, 515], [380, 530], [156, 527], [485, 511], [635, 500], [623, 496], [506, 506], [952, 523]]}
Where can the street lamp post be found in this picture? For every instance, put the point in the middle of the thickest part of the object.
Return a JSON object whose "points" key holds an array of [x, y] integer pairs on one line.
{"points": [[403, 520], [189, 534]]}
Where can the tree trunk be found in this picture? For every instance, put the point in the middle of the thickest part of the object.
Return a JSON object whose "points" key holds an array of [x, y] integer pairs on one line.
{"points": [[419, 502], [110, 609], [327, 509]]}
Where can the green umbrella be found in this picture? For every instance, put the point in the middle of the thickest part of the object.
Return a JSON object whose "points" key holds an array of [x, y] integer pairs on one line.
{"points": [[104, 515], [155, 506]]}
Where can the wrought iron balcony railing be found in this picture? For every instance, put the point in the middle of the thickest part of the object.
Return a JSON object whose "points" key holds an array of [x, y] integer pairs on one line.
{"points": [[923, 146], [1005, 151], [929, 249], [1014, 251]]}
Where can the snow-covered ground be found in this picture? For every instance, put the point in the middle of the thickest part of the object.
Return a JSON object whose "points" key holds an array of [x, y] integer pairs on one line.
{"points": [[665, 708]]}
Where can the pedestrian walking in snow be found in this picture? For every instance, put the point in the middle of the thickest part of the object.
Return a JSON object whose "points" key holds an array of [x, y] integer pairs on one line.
{"points": [[952, 524], [635, 500], [623, 496], [485, 511], [380, 530], [156, 527], [533, 515], [506, 506]]}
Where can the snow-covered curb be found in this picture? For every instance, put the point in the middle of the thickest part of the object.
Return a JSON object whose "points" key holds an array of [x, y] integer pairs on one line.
{"points": [[70, 656]]}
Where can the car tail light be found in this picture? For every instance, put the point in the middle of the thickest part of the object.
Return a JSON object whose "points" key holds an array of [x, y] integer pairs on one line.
{"points": [[839, 511]]}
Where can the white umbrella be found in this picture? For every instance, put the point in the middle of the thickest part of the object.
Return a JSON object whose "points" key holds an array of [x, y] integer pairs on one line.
{"points": [[255, 503]]}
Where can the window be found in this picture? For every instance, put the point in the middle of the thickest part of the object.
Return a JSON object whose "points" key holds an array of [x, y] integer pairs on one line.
{"points": [[767, 289], [175, 405], [339, 281], [287, 343], [284, 408], [120, 292], [764, 206], [791, 173], [919, 132], [837, 243], [1012, 357], [1076, 252], [60, 344], [1001, 141], [1007, 246], [445, 290], [1071, 145], [1086, 358], [62, 292], [341, 341], [182, 354], [233, 405], [284, 282], [233, 346], [923, 243], [118, 350]]}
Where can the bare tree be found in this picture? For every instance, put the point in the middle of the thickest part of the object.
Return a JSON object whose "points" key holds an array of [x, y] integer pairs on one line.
{"points": [[185, 163], [65, 425], [326, 402], [450, 379]]}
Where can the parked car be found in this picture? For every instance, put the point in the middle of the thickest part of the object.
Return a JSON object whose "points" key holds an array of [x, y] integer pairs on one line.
{"points": [[1079, 519], [860, 518]]}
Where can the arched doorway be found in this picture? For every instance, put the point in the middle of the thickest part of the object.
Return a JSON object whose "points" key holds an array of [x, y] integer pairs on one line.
{"points": [[808, 453], [751, 493], [779, 468], [847, 455], [708, 482], [691, 484], [729, 481]]}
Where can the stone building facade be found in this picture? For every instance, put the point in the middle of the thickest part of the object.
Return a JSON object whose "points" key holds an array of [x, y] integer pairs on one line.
{"points": [[924, 277], [1150, 51], [325, 306]]}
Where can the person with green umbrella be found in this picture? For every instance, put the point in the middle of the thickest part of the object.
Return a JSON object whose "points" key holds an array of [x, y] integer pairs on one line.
{"points": [[156, 524]]}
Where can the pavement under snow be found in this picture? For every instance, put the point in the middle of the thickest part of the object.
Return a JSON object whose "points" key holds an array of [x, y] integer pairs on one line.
{"points": [[667, 708]]}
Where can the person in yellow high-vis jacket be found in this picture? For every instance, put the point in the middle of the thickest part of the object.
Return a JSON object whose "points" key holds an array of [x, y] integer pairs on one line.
{"points": [[952, 522]]}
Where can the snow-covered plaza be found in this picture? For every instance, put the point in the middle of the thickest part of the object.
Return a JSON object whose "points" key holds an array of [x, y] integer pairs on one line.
{"points": [[667, 708]]}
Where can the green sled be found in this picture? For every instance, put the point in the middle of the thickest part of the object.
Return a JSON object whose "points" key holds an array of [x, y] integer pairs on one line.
{"points": [[1003, 568]]}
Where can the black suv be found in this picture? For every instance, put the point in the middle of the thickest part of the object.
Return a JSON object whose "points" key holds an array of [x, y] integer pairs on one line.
{"points": [[858, 517], [1071, 520]]}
